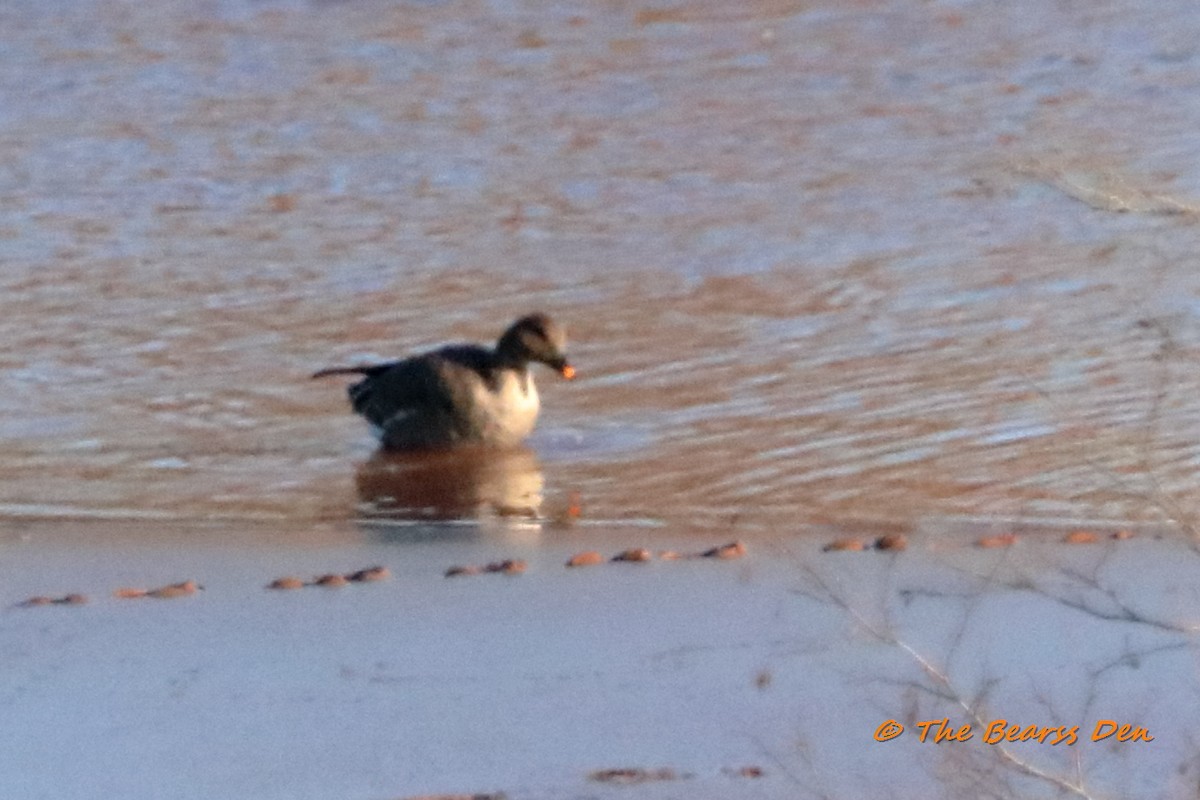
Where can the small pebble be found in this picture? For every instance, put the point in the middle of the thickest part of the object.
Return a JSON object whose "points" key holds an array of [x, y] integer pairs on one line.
{"points": [[999, 540], [512, 566], [731, 550], [585, 559], [331, 581], [167, 592], [181, 589], [456, 571], [844, 544], [370, 574], [634, 554], [1079, 537], [633, 775], [40, 600], [892, 541], [289, 582]]}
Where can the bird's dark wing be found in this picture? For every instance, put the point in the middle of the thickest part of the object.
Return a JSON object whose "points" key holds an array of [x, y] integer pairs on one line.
{"points": [[414, 385], [429, 385]]}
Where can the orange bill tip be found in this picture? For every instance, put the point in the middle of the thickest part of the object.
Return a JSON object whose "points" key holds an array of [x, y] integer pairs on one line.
{"points": [[568, 372]]}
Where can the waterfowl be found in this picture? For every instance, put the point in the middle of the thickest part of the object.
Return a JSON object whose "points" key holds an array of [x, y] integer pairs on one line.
{"points": [[461, 393]]}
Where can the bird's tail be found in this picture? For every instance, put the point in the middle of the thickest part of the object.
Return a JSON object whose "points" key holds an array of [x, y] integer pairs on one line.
{"points": [[321, 373]]}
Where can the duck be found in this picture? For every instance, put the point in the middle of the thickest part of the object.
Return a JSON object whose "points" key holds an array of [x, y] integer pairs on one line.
{"points": [[460, 394]]}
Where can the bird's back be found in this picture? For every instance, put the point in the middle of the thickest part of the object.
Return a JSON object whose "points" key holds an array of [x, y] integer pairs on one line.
{"points": [[455, 394]]}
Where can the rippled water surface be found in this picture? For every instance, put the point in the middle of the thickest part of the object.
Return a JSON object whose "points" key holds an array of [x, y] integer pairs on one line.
{"points": [[879, 265], [880, 262]]}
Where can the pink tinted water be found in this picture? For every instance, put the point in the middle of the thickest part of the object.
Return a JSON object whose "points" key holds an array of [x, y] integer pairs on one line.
{"points": [[818, 262]]}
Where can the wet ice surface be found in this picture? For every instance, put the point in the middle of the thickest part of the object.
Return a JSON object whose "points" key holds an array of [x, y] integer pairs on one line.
{"points": [[874, 267], [787, 660]]}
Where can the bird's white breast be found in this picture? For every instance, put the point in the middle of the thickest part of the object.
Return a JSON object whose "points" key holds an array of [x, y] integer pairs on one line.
{"points": [[510, 410]]}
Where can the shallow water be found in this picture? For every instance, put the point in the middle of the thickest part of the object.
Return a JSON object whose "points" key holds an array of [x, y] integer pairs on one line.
{"points": [[825, 268], [817, 263]]}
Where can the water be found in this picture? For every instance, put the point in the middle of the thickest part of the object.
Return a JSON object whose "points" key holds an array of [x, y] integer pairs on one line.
{"points": [[888, 266], [816, 263]]}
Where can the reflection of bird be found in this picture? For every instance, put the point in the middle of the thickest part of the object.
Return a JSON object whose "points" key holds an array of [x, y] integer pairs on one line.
{"points": [[460, 393], [467, 483]]}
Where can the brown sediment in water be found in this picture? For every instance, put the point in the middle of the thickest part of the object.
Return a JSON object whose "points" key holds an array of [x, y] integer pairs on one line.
{"points": [[633, 775], [286, 583], [333, 580], [844, 544], [73, 599], [726, 551], [585, 559], [181, 589], [510, 566], [896, 541], [729, 551], [370, 574]]}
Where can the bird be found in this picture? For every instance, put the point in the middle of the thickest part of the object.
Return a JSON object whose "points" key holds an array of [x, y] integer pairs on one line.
{"points": [[461, 393]]}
